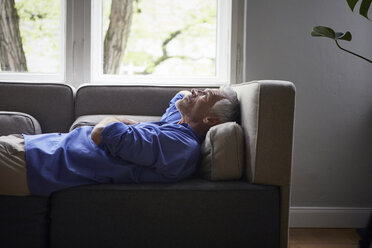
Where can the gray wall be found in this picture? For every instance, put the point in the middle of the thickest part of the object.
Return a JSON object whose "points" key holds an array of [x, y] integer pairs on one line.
{"points": [[332, 160]]}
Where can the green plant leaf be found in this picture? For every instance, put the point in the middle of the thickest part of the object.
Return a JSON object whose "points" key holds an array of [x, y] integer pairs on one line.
{"points": [[322, 31], [352, 4], [364, 7], [343, 36]]}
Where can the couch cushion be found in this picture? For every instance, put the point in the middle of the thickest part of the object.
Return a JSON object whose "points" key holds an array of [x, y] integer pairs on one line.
{"points": [[191, 213], [123, 100], [51, 104], [17, 122], [222, 152], [91, 120]]}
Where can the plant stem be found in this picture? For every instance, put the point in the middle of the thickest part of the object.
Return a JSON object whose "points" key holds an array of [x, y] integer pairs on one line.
{"points": [[343, 49]]}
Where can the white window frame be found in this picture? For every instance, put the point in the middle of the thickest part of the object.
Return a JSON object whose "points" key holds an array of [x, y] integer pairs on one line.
{"points": [[223, 55], [59, 77]]}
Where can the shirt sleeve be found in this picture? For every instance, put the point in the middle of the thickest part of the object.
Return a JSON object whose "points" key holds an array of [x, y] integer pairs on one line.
{"points": [[169, 153], [172, 115]]}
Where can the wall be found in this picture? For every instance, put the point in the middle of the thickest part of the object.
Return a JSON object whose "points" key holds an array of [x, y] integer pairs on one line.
{"points": [[332, 160]]}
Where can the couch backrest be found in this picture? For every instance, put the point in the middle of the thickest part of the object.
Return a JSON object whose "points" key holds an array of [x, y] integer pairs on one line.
{"points": [[123, 100], [51, 104]]}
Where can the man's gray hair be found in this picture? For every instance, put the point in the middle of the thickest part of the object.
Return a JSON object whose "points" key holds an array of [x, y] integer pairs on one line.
{"points": [[228, 108]]}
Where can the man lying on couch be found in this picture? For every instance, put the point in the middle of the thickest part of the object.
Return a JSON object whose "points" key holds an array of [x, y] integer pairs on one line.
{"points": [[116, 150]]}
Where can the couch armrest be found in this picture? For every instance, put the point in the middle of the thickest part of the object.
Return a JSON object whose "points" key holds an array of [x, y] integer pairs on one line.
{"points": [[267, 110], [267, 116], [18, 123]]}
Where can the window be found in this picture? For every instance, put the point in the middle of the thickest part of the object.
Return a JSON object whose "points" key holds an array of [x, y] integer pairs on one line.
{"points": [[166, 41], [32, 40], [161, 42]]}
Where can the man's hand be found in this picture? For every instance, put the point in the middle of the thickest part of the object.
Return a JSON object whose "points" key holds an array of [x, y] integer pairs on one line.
{"points": [[96, 134], [97, 130], [185, 92]]}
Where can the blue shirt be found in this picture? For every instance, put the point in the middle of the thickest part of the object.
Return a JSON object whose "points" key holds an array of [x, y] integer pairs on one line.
{"points": [[146, 152]]}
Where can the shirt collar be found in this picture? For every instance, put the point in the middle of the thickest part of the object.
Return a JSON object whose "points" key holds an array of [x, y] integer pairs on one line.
{"points": [[194, 133]]}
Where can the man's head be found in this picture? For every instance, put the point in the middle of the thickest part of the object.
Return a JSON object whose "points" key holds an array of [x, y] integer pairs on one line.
{"points": [[206, 108]]}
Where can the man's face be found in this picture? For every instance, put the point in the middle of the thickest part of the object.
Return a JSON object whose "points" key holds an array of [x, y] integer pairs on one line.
{"points": [[196, 106]]}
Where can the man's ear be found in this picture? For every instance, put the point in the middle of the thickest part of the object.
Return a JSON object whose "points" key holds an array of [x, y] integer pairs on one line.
{"points": [[211, 120]]}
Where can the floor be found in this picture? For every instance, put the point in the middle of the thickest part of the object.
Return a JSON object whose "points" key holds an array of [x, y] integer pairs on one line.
{"points": [[323, 238]]}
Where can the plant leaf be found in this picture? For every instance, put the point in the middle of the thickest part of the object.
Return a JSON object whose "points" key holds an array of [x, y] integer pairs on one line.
{"points": [[324, 32], [364, 7], [343, 36], [315, 34], [352, 4]]}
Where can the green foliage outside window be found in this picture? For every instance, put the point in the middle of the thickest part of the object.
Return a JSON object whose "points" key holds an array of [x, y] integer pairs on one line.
{"points": [[192, 51], [40, 33]]}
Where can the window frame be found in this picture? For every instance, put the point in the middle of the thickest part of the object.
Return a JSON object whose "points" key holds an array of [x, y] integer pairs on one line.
{"points": [[6, 76]]}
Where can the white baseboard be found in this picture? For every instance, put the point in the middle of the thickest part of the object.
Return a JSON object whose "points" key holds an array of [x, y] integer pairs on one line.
{"points": [[329, 217]]}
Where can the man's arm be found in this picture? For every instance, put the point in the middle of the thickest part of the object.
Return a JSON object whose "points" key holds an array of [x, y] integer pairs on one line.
{"points": [[97, 130], [148, 145], [171, 114]]}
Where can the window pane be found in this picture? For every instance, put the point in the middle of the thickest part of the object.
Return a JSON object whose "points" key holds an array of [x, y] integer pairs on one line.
{"points": [[31, 36], [159, 37]]}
